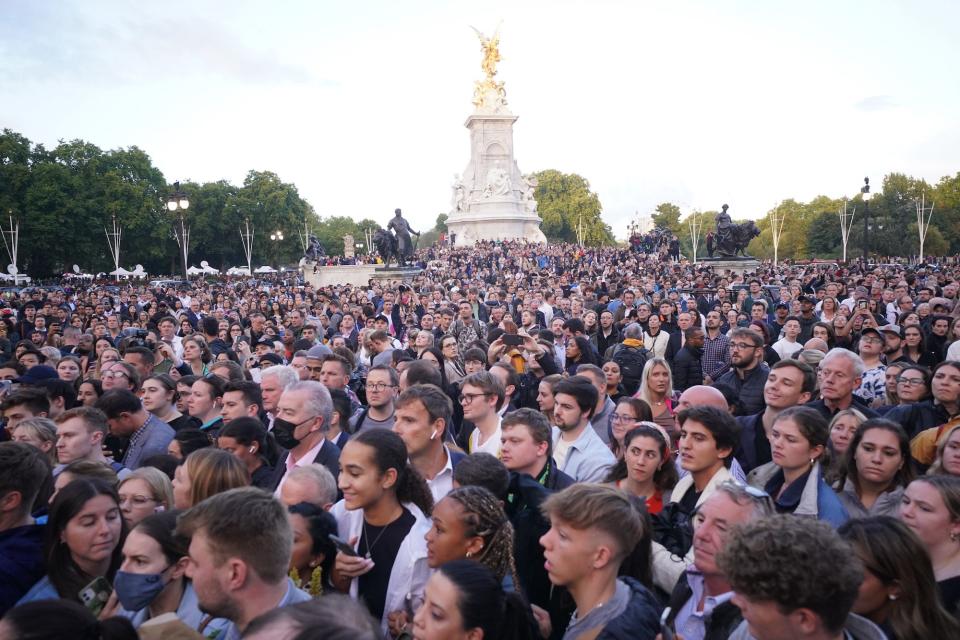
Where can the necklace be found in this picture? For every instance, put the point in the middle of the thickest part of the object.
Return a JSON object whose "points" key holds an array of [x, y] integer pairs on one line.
{"points": [[366, 537]]}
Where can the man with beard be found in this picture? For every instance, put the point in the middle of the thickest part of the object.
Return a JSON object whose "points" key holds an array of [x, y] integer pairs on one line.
{"points": [[716, 349], [748, 373], [893, 344], [240, 547], [577, 449]]}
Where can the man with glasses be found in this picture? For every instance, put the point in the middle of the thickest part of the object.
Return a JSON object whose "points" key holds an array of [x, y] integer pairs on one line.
{"points": [[119, 375], [383, 383], [839, 375], [872, 388], [701, 604], [481, 396], [748, 373]]}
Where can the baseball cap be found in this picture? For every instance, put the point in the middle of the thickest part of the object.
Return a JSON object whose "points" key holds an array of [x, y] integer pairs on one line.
{"points": [[271, 357], [37, 374], [782, 305], [890, 328], [867, 330], [318, 352]]}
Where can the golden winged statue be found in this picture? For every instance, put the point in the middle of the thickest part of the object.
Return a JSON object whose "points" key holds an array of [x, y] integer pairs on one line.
{"points": [[491, 52]]}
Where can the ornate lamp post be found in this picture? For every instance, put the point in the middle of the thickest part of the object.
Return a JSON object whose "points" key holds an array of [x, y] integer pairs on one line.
{"points": [[177, 202]]}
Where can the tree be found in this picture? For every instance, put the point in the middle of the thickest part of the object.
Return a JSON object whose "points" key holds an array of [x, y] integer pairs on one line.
{"points": [[667, 215], [564, 201]]}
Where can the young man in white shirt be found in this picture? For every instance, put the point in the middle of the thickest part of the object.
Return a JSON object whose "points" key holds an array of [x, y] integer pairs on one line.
{"points": [[422, 416], [788, 345], [482, 396]]}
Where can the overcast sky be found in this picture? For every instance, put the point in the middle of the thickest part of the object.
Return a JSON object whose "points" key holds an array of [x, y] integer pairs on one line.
{"points": [[362, 104]]}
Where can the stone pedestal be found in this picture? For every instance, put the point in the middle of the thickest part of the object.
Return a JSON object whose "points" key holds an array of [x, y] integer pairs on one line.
{"points": [[358, 275], [493, 201], [737, 265]]}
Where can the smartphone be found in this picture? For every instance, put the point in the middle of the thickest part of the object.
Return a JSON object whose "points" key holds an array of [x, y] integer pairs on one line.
{"points": [[862, 304], [94, 596], [512, 339], [343, 546], [666, 633]]}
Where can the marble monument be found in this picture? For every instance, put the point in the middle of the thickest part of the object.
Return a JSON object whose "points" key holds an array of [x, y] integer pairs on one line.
{"points": [[492, 200]]}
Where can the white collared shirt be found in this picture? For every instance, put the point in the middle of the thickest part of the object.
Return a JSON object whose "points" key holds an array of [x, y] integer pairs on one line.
{"points": [[442, 483]]}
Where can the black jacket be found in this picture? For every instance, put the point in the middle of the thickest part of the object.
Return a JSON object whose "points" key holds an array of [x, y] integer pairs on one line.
{"points": [[525, 495], [918, 416], [749, 390], [687, 368], [719, 624], [328, 456], [751, 428], [820, 407]]}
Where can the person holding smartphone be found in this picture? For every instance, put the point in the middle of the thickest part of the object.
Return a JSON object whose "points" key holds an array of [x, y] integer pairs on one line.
{"points": [[85, 535]]}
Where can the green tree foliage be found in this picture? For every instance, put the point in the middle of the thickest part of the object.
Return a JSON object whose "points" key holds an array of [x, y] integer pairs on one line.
{"points": [[667, 215], [564, 200]]}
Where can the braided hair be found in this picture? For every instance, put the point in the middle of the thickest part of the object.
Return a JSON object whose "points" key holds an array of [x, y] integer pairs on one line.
{"points": [[484, 517]]}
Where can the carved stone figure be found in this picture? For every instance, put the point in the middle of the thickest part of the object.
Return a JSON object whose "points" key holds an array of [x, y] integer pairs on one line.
{"points": [[349, 250], [498, 182], [458, 193], [530, 184]]}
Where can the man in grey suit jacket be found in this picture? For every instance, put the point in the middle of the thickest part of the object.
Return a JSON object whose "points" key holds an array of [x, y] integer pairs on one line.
{"points": [[128, 419]]}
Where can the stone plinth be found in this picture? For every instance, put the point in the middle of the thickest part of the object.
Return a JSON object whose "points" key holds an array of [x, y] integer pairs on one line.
{"points": [[493, 201], [737, 265], [358, 275]]}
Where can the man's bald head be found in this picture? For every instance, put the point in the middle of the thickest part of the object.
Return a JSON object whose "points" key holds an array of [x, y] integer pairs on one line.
{"points": [[701, 396], [816, 344]]}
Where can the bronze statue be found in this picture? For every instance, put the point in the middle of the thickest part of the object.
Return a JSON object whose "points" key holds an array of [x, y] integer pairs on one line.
{"points": [[404, 244], [731, 239]]}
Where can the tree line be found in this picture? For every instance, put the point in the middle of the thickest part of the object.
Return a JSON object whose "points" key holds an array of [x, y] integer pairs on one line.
{"points": [[812, 229], [65, 197]]}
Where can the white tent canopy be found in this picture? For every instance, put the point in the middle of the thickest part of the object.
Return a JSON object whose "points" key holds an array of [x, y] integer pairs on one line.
{"points": [[207, 268], [194, 270], [265, 269], [238, 271], [120, 272]]}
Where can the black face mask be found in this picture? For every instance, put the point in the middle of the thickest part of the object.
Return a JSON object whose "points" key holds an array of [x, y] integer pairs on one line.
{"points": [[283, 432]]}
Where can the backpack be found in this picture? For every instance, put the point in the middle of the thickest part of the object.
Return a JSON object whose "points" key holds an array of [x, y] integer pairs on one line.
{"points": [[631, 361]]}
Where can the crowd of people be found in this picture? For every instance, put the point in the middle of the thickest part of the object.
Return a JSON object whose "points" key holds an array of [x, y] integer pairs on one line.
{"points": [[524, 441]]}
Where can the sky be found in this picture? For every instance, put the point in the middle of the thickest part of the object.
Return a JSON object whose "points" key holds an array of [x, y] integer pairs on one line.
{"points": [[362, 104]]}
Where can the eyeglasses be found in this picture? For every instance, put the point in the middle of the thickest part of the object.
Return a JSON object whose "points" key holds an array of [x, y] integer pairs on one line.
{"points": [[743, 345], [137, 501], [910, 381], [110, 375], [380, 386], [621, 418], [467, 398], [871, 340]]}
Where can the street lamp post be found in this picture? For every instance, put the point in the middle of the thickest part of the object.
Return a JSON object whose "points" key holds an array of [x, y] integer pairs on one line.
{"points": [[177, 202], [277, 237], [866, 195]]}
